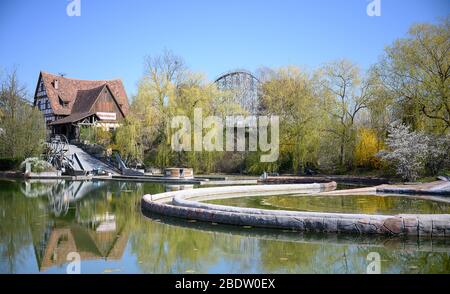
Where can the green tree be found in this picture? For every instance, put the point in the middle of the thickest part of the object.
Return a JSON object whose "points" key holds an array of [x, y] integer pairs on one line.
{"points": [[169, 89], [128, 141], [416, 72], [348, 94], [197, 93], [156, 90], [291, 94], [22, 127]]}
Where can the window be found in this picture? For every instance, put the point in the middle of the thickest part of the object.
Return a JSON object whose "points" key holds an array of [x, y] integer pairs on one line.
{"points": [[62, 102], [39, 104]]}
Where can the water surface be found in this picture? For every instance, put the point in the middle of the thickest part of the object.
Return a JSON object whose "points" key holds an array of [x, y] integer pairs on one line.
{"points": [[41, 222], [369, 204]]}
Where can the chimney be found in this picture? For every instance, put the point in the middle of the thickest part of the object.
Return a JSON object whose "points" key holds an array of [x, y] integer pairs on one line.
{"points": [[55, 84]]}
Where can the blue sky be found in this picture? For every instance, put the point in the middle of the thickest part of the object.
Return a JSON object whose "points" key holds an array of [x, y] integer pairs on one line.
{"points": [[111, 38]]}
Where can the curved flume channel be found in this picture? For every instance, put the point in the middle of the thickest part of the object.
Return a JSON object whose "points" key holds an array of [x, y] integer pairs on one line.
{"points": [[186, 204]]}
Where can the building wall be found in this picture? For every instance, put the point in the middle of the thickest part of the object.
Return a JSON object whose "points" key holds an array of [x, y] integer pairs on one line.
{"points": [[106, 103], [43, 104]]}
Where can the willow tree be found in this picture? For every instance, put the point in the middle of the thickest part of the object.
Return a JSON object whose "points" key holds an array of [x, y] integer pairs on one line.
{"points": [[291, 94], [416, 72], [128, 140], [198, 94], [380, 110], [168, 89], [22, 127], [156, 89]]}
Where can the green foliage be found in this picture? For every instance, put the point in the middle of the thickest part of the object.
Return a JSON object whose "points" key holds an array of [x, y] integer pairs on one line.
{"points": [[22, 127], [293, 95], [255, 167], [347, 94], [334, 119], [168, 89], [95, 135], [127, 142], [414, 71]]}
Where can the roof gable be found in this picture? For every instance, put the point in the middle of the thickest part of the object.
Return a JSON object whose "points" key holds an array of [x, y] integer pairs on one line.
{"points": [[116, 103], [85, 105], [74, 92], [85, 99]]}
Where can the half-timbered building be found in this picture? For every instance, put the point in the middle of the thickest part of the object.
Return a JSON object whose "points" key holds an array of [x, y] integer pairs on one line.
{"points": [[68, 104]]}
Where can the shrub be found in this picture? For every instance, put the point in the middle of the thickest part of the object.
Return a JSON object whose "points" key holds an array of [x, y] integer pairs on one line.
{"points": [[439, 155], [96, 135], [367, 148], [37, 165], [408, 151]]}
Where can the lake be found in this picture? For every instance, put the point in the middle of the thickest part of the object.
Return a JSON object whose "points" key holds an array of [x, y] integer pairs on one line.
{"points": [[41, 222]]}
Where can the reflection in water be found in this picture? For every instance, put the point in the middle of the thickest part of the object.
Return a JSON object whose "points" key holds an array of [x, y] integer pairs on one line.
{"points": [[66, 216], [370, 204], [93, 231], [171, 188], [59, 242], [274, 251], [60, 193], [40, 222]]}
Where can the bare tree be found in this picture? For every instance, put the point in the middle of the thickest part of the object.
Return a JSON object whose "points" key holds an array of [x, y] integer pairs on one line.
{"points": [[162, 72]]}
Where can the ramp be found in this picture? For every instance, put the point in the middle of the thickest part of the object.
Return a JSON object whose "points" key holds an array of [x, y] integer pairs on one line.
{"points": [[86, 161], [124, 169]]}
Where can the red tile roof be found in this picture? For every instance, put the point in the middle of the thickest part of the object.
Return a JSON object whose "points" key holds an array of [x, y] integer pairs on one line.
{"points": [[79, 95]]}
